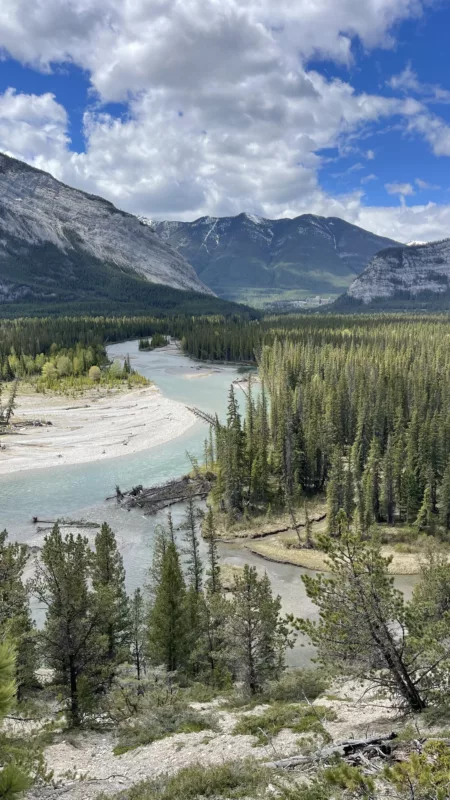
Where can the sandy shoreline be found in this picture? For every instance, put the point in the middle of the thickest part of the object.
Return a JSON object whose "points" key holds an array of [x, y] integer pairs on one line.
{"points": [[91, 427]]}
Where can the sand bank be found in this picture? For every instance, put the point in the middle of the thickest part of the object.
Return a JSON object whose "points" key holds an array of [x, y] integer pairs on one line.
{"points": [[91, 427]]}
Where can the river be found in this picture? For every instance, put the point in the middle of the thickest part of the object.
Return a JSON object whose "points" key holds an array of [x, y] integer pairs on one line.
{"points": [[79, 491]]}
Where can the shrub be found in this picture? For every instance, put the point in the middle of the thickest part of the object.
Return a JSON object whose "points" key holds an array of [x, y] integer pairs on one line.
{"points": [[161, 722], [244, 779], [298, 718]]}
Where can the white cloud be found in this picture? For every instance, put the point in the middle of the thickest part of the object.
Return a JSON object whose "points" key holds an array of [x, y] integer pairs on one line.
{"points": [[434, 130], [223, 113], [369, 178], [407, 81], [399, 188], [33, 127], [425, 185], [129, 46]]}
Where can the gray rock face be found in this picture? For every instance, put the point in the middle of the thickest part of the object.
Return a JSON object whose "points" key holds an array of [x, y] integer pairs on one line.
{"points": [[414, 269], [235, 254], [42, 221]]}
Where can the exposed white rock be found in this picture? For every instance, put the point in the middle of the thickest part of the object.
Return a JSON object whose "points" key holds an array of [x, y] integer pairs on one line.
{"points": [[35, 208], [414, 269]]}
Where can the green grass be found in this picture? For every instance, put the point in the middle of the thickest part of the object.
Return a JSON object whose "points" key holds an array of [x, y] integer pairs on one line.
{"points": [[232, 781], [298, 718]]}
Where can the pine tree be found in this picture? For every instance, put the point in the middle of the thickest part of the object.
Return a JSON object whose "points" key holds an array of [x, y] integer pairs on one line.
{"points": [[70, 640], [213, 583], [168, 627], [192, 545], [161, 539], [362, 627], [15, 615], [112, 608], [258, 636], [138, 624], [13, 780]]}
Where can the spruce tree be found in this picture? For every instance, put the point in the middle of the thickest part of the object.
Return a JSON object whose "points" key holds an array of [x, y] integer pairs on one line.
{"points": [[168, 624], [112, 608], [70, 639], [192, 545], [387, 484], [444, 500]]}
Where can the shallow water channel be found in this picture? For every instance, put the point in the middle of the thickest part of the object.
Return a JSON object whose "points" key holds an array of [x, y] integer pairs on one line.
{"points": [[79, 491]]}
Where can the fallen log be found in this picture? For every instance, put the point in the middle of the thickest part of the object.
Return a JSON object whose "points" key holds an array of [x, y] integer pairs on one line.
{"points": [[157, 498], [343, 749], [285, 528]]}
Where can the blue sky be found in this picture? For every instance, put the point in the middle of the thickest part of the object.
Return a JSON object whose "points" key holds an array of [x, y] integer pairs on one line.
{"points": [[179, 108]]}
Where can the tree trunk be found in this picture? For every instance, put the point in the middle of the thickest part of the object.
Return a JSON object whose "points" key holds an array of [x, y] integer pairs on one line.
{"points": [[74, 708]]}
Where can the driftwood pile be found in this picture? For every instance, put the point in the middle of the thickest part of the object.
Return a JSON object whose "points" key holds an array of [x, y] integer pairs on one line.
{"points": [[157, 498]]}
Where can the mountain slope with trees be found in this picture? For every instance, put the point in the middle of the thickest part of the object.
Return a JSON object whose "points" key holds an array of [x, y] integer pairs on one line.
{"points": [[250, 258]]}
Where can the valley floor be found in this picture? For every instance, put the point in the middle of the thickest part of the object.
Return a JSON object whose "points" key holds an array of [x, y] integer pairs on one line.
{"points": [[97, 425]]}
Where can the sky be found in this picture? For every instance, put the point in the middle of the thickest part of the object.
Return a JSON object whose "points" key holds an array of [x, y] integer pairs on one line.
{"points": [[176, 109]]}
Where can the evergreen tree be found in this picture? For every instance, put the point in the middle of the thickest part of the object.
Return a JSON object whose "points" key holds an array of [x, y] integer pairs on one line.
{"points": [[444, 500], [138, 621], [13, 780], [168, 624], [371, 486], [362, 626], [161, 539], [70, 640], [213, 583], [387, 485], [15, 615], [336, 494], [192, 545], [112, 608], [258, 636], [426, 518]]}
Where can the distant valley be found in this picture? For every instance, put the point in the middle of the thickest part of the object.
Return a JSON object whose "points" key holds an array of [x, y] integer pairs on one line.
{"points": [[259, 261]]}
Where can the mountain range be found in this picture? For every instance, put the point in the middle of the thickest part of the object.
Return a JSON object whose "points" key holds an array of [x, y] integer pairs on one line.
{"points": [[253, 259], [63, 248]]}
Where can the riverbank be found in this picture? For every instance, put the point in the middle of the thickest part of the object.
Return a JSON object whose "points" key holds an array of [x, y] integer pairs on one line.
{"points": [[274, 539], [100, 424]]}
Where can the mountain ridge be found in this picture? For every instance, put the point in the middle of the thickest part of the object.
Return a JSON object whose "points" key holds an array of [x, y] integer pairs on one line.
{"points": [[244, 254], [50, 234], [415, 275]]}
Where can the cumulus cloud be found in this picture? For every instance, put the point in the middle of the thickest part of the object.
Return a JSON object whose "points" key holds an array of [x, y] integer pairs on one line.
{"points": [[33, 127], [223, 113]]}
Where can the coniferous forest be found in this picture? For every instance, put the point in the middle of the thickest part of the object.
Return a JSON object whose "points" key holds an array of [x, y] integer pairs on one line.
{"points": [[338, 431]]}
